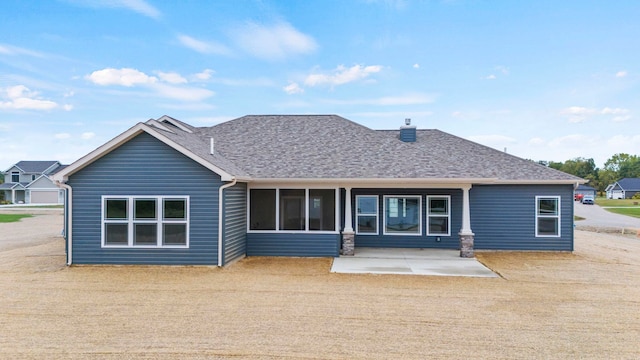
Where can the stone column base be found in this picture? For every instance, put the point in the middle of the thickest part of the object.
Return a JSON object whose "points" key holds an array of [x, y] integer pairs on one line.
{"points": [[348, 243], [466, 245]]}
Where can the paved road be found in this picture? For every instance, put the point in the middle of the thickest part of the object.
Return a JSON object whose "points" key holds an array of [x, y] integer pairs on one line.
{"points": [[598, 217]]}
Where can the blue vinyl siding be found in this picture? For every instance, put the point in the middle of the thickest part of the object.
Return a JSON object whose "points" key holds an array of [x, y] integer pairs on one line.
{"points": [[145, 166], [293, 244], [411, 241], [235, 222], [503, 217]]}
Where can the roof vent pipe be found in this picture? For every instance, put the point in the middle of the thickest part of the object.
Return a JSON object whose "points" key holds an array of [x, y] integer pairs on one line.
{"points": [[211, 150], [408, 132]]}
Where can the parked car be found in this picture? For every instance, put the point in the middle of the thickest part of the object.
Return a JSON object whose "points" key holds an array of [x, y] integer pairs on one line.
{"points": [[588, 200]]}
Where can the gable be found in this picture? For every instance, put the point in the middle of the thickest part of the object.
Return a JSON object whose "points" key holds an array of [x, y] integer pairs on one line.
{"points": [[127, 136], [42, 182]]}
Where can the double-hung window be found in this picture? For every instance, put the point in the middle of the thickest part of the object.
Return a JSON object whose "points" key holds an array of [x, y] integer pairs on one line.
{"points": [[402, 215], [547, 216], [145, 221], [439, 215], [15, 177], [367, 214]]}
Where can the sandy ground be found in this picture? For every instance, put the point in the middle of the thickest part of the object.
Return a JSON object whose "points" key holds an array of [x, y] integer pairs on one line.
{"points": [[581, 305]]}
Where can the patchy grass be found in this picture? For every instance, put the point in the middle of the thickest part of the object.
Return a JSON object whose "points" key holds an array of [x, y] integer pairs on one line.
{"points": [[7, 218], [617, 202], [578, 218], [629, 211]]}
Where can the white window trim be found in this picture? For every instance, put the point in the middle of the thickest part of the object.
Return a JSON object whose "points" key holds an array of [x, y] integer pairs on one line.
{"points": [[306, 231], [131, 221], [377, 214], [448, 216], [384, 215], [558, 216]]}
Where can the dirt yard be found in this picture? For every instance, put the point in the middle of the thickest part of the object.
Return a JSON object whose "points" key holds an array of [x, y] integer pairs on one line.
{"points": [[584, 305]]}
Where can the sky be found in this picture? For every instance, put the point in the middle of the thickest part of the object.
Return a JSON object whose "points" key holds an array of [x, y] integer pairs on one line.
{"points": [[543, 80]]}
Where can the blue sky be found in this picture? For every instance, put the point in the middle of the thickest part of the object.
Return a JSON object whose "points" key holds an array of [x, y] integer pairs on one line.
{"points": [[547, 80]]}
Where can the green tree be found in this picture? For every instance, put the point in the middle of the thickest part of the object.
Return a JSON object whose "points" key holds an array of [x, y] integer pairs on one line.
{"points": [[618, 160]]}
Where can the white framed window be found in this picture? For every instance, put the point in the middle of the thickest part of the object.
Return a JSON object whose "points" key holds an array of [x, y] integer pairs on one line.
{"points": [[547, 216], [402, 215], [367, 214], [15, 177], [145, 221], [439, 215], [293, 209]]}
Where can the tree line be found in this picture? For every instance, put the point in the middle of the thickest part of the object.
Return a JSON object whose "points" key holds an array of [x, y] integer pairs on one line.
{"points": [[617, 167]]}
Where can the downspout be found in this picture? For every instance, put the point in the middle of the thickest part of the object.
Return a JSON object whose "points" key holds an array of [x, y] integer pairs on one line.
{"points": [[220, 213], [69, 231]]}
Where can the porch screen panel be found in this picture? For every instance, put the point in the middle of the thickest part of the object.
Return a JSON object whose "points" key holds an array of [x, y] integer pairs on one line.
{"points": [[292, 209], [322, 207], [262, 212]]}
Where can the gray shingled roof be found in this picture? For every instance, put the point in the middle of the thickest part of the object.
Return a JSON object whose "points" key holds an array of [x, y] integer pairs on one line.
{"points": [[329, 146], [35, 167], [629, 184]]}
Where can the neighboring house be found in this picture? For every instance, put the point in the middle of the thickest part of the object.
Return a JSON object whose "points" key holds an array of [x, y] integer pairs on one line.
{"points": [[623, 188], [583, 190], [165, 192], [29, 182]]}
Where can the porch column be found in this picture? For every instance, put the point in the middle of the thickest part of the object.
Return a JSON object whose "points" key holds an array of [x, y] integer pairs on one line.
{"points": [[466, 235], [348, 240]]}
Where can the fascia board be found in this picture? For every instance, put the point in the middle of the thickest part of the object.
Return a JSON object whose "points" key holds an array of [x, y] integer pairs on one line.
{"points": [[378, 183]]}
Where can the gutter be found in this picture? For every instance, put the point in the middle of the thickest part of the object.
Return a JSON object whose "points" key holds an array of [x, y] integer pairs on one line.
{"points": [[220, 214], [69, 218]]}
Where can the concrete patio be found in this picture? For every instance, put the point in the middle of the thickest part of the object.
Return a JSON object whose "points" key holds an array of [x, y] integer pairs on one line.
{"points": [[430, 262]]}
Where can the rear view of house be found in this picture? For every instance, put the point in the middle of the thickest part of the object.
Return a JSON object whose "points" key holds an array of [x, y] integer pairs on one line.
{"points": [[29, 182], [165, 192]]}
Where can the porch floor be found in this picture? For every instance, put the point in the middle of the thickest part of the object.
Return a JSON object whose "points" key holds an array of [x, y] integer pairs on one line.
{"points": [[430, 262]]}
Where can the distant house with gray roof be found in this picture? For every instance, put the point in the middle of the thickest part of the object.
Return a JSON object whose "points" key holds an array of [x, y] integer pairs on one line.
{"points": [[166, 192], [28, 182], [623, 189]]}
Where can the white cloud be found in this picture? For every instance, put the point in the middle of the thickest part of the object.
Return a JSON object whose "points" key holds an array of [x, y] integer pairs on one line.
{"points": [[622, 73], [342, 75], [129, 77], [140, 6], [14, 50], [490, 77], [171, 77], [577, 114], [293, 88], [416, 66], [62, 136], [204, 75], [203, 47], [615, 111], [67, 107], [622, 118], [275, 42], [125, 77], [87, 135], [19, 97]]}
